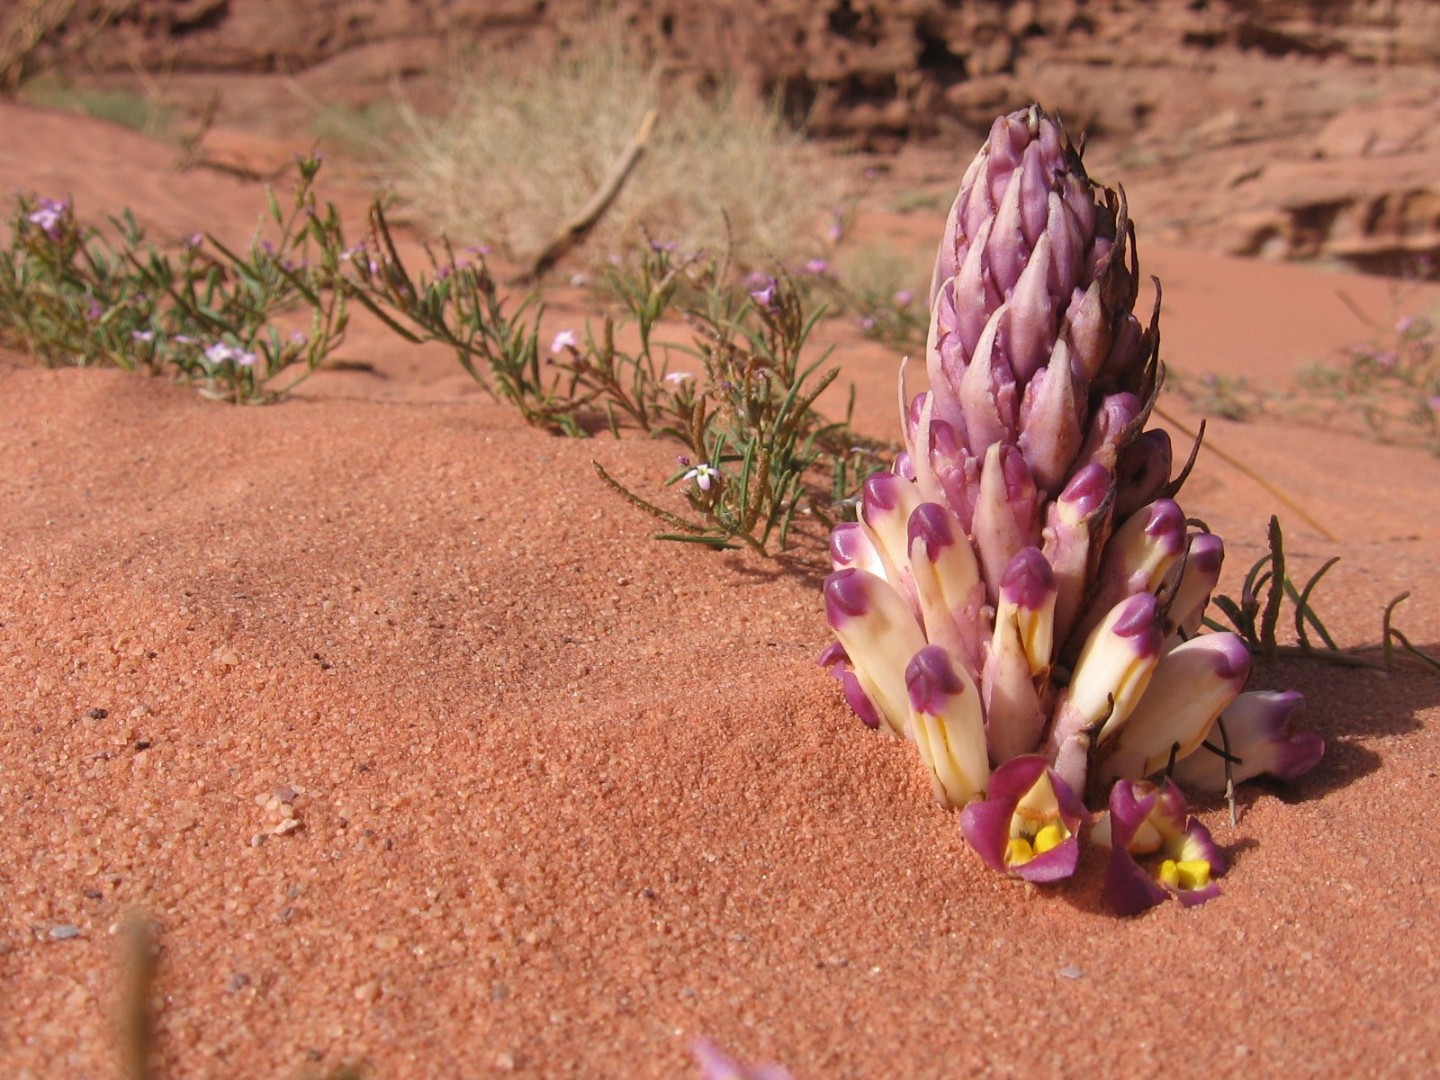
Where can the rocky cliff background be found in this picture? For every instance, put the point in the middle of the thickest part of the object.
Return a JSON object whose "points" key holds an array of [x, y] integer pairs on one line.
{"points": [[1288, 128]]}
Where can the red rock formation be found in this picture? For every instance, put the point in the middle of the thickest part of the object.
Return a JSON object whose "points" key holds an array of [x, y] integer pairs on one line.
{"points": [[855, 67]]}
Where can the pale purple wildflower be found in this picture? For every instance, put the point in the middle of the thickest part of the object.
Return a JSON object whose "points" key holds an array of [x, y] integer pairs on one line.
{"points": [[678, 378], [817, 266], [221, 353], [565, 340], [715, 1064], [146, 336], [903, 299], [50, 215], [704, 475], [764, 294], [1413, 326]]}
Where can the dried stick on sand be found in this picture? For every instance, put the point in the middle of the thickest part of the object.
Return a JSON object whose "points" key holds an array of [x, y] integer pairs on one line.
{"points": [[585, 219]]}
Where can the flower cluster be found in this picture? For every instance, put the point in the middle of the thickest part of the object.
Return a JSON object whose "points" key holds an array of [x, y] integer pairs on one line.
{"points": [[1022, 597]]}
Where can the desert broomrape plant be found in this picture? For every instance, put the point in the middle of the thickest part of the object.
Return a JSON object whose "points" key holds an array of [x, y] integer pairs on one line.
{"points": [[1022, 597]]}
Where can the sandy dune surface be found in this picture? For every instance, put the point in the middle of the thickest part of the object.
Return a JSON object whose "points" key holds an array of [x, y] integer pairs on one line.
{"points": [[568, 797]]}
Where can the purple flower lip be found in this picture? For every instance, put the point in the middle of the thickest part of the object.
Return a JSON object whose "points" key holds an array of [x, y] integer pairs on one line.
{"points": [[845, 595], [947, 725], [882, 491], [1028, 581], [1206, 553], [931, 524], [1028, 824], [931, 679], [1137, 618], [847, 544], [1164, 520], [1087, 490], [834, 660], [1155, 821]]}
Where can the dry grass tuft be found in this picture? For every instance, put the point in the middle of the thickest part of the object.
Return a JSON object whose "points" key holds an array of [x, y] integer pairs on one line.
{"points": [[526, 147]]}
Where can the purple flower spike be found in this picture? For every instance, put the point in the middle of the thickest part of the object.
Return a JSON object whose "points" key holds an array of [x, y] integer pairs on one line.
{"points": [[948, 726], [1141, 552], [1204, 556], [1028, 825], [1117, 662], [1050, 418], [1190, 686], [885, 507], [1111, 429], [989, 397], [956, 473], [1005, 513], [1144, 472], [1089, 332], [1031, 322], [1145, 819], [849, 546], [1109, 680], [1024, 552], [1075, 529], [1018, 661], [879, 634], [1260, 731], [947, 584], [715, 1064], [1027, 592]]}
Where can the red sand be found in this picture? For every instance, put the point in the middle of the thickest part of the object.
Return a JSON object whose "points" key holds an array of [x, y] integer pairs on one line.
{"points": [[569, 797]]}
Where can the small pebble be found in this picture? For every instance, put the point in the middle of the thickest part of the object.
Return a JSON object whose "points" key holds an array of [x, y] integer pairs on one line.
{"points": [[1070, 973], [64, 932]]}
